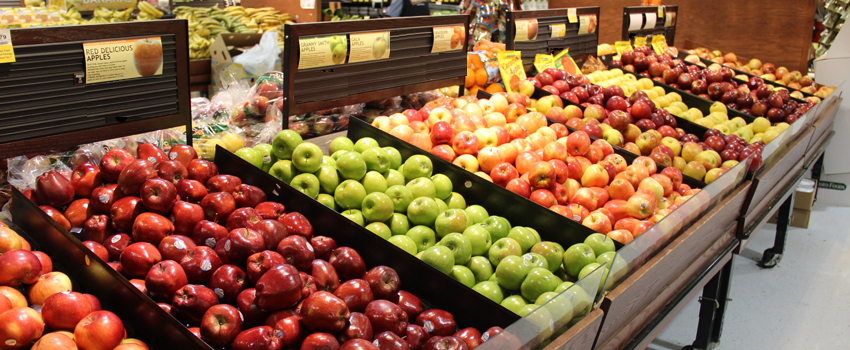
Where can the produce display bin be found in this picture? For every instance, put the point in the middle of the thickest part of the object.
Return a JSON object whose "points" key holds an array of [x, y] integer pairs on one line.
{"points": [[544, 43], [469, 307], [660, 25], [46, 104], [142, 318]]}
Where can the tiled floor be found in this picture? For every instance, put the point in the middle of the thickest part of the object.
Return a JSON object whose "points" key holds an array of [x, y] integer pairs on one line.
{"points": [[802, 303]]}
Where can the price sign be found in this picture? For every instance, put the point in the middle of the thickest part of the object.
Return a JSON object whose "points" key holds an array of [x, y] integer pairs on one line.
{"points": [[448, 38], [558, 30], [526, 30], [659, 44], [123, 59], [622, 46], [7, 53], [369, 46], [571, 15], [322, 51], [640, 41]]}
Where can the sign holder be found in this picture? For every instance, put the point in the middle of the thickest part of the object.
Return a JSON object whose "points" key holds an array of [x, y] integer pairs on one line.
{"points": [[578, 44], [646, 15]]}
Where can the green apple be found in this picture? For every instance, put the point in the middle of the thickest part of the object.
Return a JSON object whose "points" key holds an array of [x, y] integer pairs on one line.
{"points": [[511, 271], [536, 260], [479, 237], [456, 201], [534, 232], [498, 227], [616, 264], [443, 186], [492, 278], [417, 166], [577, 257], [335, 156], [563, 286], [306, 183], [373, 181], [539, 280], [503, 248], [560, 307], [463, 275], [283, 170], [490, 290], [440, 257], [524, 237], [460, 246], [540, 318], [422, 187], [577, 296], [327, 200], [477, 213], [600, 243], [377, 207], [422, 211], [450, 221], [354, 215], [340, 143], [423, 236], [284, 143], [268, 155], [405, 243], [349, 195], [514, 303], [401, 197], [364, 144], [480, 267], [395, 157], [398, 224], [251, 155], [351, 166], [589, 268], [328, 178], [380, 229], [327, 160], [552, 252], [394, 178], [441, 206], [307, 157], [377, 159]]}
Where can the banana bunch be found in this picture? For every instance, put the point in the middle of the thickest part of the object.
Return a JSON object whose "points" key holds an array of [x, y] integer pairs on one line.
{"points": [[205, 24], [338, 15], [262, 19], [199, 47], [148, 11], [105, 15], [72, 16]]}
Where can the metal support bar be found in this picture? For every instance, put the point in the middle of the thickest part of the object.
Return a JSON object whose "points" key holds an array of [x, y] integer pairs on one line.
{"points": [[713, 308], [773, 255], [817, 168]]}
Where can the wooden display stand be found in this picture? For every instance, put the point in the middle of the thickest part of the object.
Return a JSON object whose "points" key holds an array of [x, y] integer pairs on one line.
{"points": [[660, 14], [578, 44]]}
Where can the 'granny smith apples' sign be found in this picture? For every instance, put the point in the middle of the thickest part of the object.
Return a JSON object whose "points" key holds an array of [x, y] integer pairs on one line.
{"points": [[369, 46], [322, 51]]}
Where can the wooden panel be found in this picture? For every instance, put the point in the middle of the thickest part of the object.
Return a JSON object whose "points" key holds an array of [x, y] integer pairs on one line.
{"points": [[778, 31], [628, 331], [627, 300], [582, 335], [584, 44]]}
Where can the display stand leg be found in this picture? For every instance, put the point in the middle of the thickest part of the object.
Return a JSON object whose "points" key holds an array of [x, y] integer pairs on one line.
{"points": [[712, 309], [817, 168], [772, 256]]}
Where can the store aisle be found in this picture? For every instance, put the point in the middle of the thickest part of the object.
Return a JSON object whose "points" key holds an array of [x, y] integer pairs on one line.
{"points": [[800, 304]]}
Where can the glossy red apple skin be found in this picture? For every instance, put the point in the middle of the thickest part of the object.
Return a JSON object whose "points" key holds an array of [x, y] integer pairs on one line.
{"points": [[220, 325], [389, 340], [324, 312], [134, 175], [308, 285], [191, 302], [356, 294], [200, 263], [78, 212], [103, 197], [279, 288], [223, 183], [386, 317], [151, 228], [138, 258], [244, 242], [384, 282], [113, 162], [347, 263], [46, 262], [151, 153], [218, 206], [183, 154], [54, 189], [259, 263], [124, 212], [317, 341], [297, 224], [410, 303], [19, 266], [270, 210], [164, 279], [158, 195], [416, 336], [185, 216], [208, 233], [297, 252], [97, 228], [242, 218], [85, 178], [279, 315], [55, 340], [325, 275], [99, 330], [442, 321], [96, 248], [470, 335], [293, 330], [272, 231], [62, 311], [357, 327], [95, 304], [248, 196], [227, 282], [201, 170], [172, 171], [21, 326], [56, 216], [247, 304], [323, 247], [191, 191], [358, 344], [257, 338], [116, 244]]}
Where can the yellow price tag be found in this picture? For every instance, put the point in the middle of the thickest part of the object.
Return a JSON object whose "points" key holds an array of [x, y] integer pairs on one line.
{"points": [[571, 15], [564, 61], [7, 53], [661, 10], [659, 44], [510, 66], [542, 61], [640, 41], [558, 30], [622, 46]]}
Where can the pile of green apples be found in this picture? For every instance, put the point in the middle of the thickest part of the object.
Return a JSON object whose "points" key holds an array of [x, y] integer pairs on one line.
{"points": [[404, 202]]}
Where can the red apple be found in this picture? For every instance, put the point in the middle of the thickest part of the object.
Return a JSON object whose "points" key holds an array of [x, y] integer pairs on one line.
{"points": [[292, 329], [259, 263], [103, 197], [324, 312], [116, 244], [442, 322], [220, 325], [164, 279], [85, 179], [124, 212], [199, 264], [172, 171], [151, 153], [113, 162], [384, 282], [183, 154], [134, 175], [227, 282], [270, 210], [201, 170], [97, 228], [470, 335], [78, 212], [410, 303], [259, 338], [151, 228], [54, 189], [99, 330], [520, 187], [356, 293], [138, 258], [248, 196], [208, 233], [98, 249], [297, 224], [46, 262], [191, 301], [386, 317], [19, 266], [323, 247], [218, 206], [247, 304], [223, 183], [191, 191], [347, 263], [297, 252], [320, 341], [62, 311], [279, 288]]}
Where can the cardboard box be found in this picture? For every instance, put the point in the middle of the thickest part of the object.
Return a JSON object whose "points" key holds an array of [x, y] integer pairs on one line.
{"points": [[222, 51], [799, 218], [804, 198]]}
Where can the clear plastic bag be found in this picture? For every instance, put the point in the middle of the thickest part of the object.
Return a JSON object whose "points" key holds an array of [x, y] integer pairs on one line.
{"points": [[260, 59], [23, 171]]}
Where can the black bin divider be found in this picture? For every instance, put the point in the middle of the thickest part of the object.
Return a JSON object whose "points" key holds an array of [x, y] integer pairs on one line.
{"points": [[436, 289], [629, 156], [141, 316]]}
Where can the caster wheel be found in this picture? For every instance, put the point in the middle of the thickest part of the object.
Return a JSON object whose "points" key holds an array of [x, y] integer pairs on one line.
{"points": [[770, 259], [688, 348]]}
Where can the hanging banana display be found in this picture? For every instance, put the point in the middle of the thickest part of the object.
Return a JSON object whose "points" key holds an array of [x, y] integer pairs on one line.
{"points": [[205, 24]]}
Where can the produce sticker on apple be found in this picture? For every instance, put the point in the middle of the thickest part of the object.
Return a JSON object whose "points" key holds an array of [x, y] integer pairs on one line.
{"points": [[122, 59], [369, 46], [448, 38], [322, 51]]}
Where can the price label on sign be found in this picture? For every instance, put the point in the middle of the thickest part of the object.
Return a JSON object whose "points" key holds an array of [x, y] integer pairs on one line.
{"points": [[640, 41], [622, 46], [661, 10], [526, 30], [7, 53], [448, 38], [571, 15], [558, 30], [659, 44]]}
